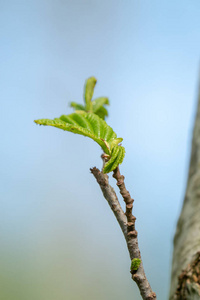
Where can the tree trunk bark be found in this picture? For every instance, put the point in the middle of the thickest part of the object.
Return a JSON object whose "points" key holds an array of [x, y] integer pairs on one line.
{"points": [[185, 276]]}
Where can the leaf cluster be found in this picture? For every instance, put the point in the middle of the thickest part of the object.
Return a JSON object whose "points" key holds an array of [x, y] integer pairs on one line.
{"points": [[96, 106], [91, 125]]}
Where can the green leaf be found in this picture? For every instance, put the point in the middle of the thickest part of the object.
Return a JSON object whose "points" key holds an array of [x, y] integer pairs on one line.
{"points": [[77, 106], [102, 112], [92, 126], [88, 93], [98, 103], [115, 142], [117, 156], [88, 120]]}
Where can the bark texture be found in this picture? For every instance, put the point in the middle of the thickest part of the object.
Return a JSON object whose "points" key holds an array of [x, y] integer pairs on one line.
{"points": [[185, 276]]}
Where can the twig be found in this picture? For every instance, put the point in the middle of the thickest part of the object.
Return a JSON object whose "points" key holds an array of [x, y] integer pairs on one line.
{"points": [[132, 240], [112, 199], [129, 206], [127, 224]]}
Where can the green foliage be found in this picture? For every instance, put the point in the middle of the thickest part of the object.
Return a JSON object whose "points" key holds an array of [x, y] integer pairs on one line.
{"points": [[135, 263], [116, 158], [97, 105], [92, 126], [88, 92], [88, 120]]}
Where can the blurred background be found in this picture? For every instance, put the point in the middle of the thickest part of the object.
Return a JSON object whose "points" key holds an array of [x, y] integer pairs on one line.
{"points": [[59, 239]]}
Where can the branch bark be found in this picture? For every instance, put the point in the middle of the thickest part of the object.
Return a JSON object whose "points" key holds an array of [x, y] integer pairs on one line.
{"points": [[185, 275], [127, 224]]}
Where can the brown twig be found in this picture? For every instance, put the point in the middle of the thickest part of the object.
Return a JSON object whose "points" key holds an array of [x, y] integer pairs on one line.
{"points": [[112, 199], [132, 240], [129, 204], [127, 224]]}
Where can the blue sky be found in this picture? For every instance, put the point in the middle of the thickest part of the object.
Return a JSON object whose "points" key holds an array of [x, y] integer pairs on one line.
{"points": [[145, 55]]}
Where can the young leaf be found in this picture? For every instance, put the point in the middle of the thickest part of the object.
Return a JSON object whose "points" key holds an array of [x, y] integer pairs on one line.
{"points": [[115, 142], [135, 263], [97, 105], [117, 156], [88, 93], [77, 106], [90, 125], [102, 112]]}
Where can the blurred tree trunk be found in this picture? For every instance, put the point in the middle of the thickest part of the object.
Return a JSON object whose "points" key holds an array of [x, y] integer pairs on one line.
{"points": [[185, 277]]}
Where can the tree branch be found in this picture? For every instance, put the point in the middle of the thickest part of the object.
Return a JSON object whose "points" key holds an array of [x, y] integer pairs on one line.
{"points": [[187, 236], [127, 224]]}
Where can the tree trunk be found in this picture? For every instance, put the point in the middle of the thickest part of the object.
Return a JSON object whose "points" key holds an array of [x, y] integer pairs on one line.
{"points": [[185, 276]]}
